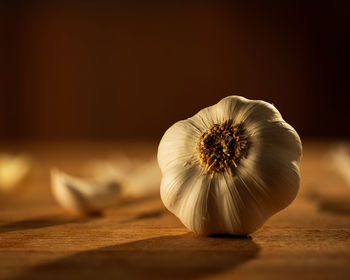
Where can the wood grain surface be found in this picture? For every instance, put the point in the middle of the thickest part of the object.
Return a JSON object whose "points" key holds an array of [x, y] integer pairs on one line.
{"points": [[138, 238]]}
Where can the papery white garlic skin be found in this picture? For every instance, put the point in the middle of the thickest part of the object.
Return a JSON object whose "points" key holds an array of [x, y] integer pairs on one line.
{"points": [[82, 195], [239, 199]]}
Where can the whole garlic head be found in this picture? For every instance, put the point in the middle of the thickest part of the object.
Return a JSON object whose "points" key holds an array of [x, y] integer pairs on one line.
{"points": [[230, 167]]}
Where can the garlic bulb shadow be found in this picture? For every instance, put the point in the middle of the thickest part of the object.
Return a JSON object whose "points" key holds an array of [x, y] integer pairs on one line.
{"points": [[83, 195], [182, 256]]}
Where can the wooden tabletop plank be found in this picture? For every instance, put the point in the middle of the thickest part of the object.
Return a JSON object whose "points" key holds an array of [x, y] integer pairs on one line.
{"points": [[137, 238]]}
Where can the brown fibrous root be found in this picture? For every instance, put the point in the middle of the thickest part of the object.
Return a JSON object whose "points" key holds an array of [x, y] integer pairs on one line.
{"points": [[222, 146]]}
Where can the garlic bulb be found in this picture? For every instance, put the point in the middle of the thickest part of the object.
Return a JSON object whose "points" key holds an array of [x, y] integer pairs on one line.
{"points": [[230, 167], [82, 195]]}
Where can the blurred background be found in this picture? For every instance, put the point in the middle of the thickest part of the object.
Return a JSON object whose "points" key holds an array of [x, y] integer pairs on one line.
{"points": [[103, 71]]}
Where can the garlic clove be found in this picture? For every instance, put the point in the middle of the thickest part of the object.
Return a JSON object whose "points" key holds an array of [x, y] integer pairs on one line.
{"points": [[136, 178], [143, 180], [13, 169], [112, 168], [83, 195]]}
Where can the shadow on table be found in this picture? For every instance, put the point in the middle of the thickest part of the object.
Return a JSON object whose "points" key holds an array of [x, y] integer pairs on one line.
{"points": [[137, 200], [337, 207], [167, 257], [42, 222], [146, 215]]}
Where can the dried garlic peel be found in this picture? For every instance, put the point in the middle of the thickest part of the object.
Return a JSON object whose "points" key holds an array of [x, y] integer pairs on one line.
{"points": [[230, 167], [82, 195]]}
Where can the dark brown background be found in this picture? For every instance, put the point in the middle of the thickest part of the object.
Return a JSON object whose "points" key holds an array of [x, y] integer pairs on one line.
{"points": [[116, 71]]}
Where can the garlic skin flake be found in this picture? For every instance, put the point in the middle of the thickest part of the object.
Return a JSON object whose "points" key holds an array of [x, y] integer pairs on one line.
{"points": [[230, 167], [82, 195]]}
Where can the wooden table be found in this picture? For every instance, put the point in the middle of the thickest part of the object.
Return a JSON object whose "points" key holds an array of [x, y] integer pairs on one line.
{"points": [[138, 238]]}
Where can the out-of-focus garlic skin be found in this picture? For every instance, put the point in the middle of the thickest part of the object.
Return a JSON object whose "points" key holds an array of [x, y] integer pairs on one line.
{"points": [[82, 195], [13, 169], [340, 158], [240, 199]]}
